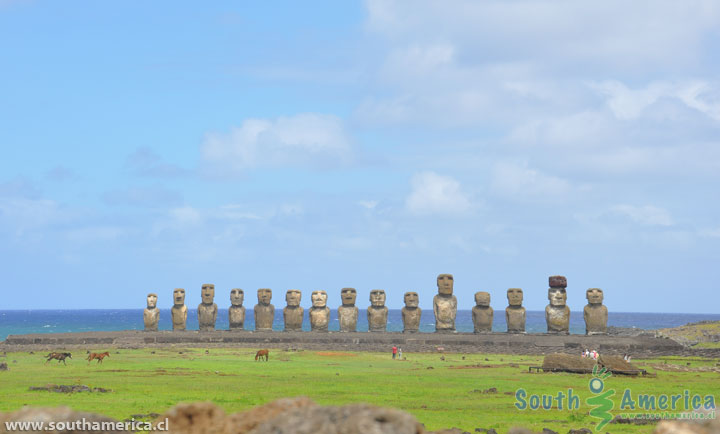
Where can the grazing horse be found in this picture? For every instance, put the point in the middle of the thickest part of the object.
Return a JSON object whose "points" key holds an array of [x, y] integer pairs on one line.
{"points": [[98, 356], [60, 357], [262, 353]]}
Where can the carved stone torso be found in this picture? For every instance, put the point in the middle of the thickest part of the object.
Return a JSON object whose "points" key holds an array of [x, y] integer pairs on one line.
{"points": [[179, 317], [319, 318], [596, 317], [482, 318], [348, 317], [236, 315], [558, 319], [377, 318], [411, 319], [515, 318], [293, 318], [207, 315], [445, 310], [151, 318], [264, 317]]}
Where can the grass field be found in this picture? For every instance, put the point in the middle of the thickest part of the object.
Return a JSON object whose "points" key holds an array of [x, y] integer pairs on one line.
{"points": [[440, 393]]}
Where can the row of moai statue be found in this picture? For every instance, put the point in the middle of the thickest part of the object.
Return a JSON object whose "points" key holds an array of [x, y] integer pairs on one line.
{"points": [[557, 313]]}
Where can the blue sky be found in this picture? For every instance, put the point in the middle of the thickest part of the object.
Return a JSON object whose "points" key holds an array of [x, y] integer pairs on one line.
{"points": [[318, 145]]}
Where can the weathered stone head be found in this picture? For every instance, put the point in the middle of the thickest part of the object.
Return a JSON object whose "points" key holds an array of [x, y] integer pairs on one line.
{"points": [[515, 297], [348, 312], [557, 293], [482, 299], [208, 293], [595, 314], [412, 300], [445, 284], [264, 296], [179, 296], [292, 297], [151, 315], [594, 296], [319, 298], [515, 313], [348, 296], [482, 313], [411, 313], [293, 313], [151, 301], [179, 310], [377, 298], [237, 297], [557, 313]]}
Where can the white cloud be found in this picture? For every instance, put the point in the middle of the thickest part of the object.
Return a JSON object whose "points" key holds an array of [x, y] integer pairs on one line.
{"points": [[94, 234], [642, 34], [648, 215], [23, 214], [520, 182], [369, 204], [710, 232], [628, 104], [145, 162], [509, 63], [583, 129], [436, 194], [185, 216], [303, 140]]}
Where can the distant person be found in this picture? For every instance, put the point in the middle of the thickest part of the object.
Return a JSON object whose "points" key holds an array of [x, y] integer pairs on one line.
{"points": [[400, 353], [394, 351], [628, 358]]}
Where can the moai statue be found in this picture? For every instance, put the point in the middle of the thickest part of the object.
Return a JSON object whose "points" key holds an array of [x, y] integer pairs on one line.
{"points": [[515, 312], [482, 313], [595, 313], [293, 313], [348, 312], [151, 314], [179, 310], [207, 310], [236, 313], [411, 313], [264, 311], [377, 313], [445, 304], [319, 313], [557, 313]]}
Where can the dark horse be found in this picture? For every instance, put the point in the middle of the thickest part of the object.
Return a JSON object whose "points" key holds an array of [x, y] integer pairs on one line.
{"points": [[97, 356], [262, 353], [60, 357]]}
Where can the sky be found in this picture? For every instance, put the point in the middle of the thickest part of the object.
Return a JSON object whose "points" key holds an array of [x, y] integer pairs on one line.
{"points": [[324, 144]]}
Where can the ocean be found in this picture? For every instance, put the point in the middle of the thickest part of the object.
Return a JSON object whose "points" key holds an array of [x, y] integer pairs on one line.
{"points": [[14, 322]]}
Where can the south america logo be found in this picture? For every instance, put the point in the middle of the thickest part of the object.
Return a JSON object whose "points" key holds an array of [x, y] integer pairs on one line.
{"points": [[601, 402]]}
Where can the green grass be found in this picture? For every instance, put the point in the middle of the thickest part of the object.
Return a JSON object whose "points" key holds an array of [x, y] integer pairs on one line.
{"points": [[449, 395]]}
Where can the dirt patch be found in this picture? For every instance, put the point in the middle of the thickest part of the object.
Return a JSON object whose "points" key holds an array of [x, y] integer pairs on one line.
{"points": [[76, 388], [335, 354], [474, 366], [668, 367]]}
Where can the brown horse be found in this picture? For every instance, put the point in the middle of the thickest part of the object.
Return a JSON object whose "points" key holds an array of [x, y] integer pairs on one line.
{"points": [[262, 353], [60, 357], [98, 356]]}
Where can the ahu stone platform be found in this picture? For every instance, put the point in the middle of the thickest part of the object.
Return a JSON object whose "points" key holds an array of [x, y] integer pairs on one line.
{"points": [[497, 343]]}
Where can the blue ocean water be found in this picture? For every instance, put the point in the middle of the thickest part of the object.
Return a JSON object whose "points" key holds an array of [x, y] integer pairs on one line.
{"points": [[14, 322]]}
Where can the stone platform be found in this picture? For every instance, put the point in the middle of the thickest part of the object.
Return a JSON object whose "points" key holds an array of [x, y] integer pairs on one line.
{"points": [[497, 343]]}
